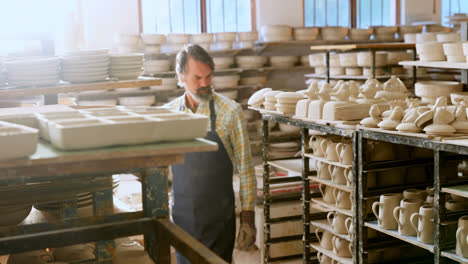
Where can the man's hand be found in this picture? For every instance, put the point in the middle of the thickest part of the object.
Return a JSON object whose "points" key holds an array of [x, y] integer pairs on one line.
{"points": [[247, 232]]}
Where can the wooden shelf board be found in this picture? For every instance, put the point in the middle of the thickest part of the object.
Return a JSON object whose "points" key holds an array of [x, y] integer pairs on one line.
{"points": [[291, 165], [364, 46], [324, 160], [451, 254], [331, 207], [330, 254], [330, 183], [410, 239], [323, 224], [436, 64], [460, 190], [9, 91]]}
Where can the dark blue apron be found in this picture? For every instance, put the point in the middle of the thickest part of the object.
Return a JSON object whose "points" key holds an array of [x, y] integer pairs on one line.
{"points": [[204, 197]]}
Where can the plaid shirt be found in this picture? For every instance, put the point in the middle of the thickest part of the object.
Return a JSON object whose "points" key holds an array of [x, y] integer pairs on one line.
{"points": [[231, 128]]}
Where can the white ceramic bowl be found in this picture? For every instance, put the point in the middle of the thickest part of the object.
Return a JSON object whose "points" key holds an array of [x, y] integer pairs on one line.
{"points": [[434, 89], [251, 61], [202, 38], [430, 48], [368, 71], [247, 36], [154, 66], [360, 33], [447, 37], [153, 39], [408, 29], [225, 37], [306, 33], [364, 59], [317, 60], [334, 33], [226, 81], [217, 46], [453, 49], [175, 38], [128, 39], [348, 59], [272, 33], [245, 44], [353, 71], [283, 61], [223, 62], [335, 71], [152, 49], [426, 37]]}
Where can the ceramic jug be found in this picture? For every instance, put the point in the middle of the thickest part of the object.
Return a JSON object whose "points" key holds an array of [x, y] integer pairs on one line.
{"points": [[341, 247], [423, 223], [349, 226], [343, 199], [337, 221], [329, 149], [323, 259], [461, 235], [386, 205], [349, 175], [327, 193], [325, 240], [323, 171], [337, 174], [345, 152], [403, 214], [314, 144], [415, 194]]}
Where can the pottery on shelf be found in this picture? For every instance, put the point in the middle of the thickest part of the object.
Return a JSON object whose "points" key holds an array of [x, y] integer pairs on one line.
{"points": [[460, 123], [316, 106], [441, 120], [353, 89], [393, 120], [368, 91], [393, 89], [342, 99], [408, 123], [374, 118], [258, 97]]}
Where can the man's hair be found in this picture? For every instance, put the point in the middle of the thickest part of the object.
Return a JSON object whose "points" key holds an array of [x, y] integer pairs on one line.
{"points": [[194, 51]]}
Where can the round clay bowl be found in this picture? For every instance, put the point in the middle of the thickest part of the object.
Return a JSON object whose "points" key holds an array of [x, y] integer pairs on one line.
{"points": [[426, 37], [283, 61], [178, 38], [227, 81], [453, 49], [429, 48], [447, 37], [247, 36], [458, 97], [364, 59], [317, 60], [202, 38], [334, 33], [348, 59], [394, 57], [437, 28], [271, 33], [435, 89], [251, 61], [153, 39], [360, 33], [225, 36], [223, 62], [406, 29], [306, 33]]}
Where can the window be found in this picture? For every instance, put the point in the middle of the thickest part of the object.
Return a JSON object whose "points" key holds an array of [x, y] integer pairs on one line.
{"points": [[338, 13], [327, 13], [184, 16], [451, 7]]}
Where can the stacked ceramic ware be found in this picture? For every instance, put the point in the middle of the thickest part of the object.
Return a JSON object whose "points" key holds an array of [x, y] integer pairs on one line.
{"points": [[153, 43], [157, 65], [223, 41], [223, 62], [306, 33], [246, 39], [204, 40], [83, 66], [272, 33], [175, 42], [225, 81], [286, 102], [128, 43], [126, 66], [33, 72], [251, 61]]}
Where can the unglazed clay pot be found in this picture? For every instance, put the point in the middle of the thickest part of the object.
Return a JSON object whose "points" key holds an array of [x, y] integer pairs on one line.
{"points": [[423, 223], [385, 207], [403, 214], [461, 236]]}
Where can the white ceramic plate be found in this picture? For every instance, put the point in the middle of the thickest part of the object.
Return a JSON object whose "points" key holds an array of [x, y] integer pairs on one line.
{"points": [[85, 61], [130, 67], [84, 70], [84, 66], [86, 79], [32, 78], [86, 52]]}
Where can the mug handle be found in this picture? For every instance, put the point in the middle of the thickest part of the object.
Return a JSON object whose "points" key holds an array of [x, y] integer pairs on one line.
{"points": [[322, 191], [324, 146], [331, 168], [458, 234], [329, 220], [320, 256], [336, 195], [349, 176], [317, 234], [348, 223], [350, 247], [339, 148], [413, 220], [396, 214], [374, 210]]}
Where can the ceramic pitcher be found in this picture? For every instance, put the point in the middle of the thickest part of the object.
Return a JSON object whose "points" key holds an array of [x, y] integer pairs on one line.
{"points": [[314, 144], [327, 193], [385, 213], [423, 223], [349, 226], [415, 194], [349, 175], [323, 171], [323, 259], [337, 174], [343, 199], [430, 199], [403, 214], [329, 148], [341, 247], [325, 239], [461, 235], [345, 152], [337, 221]]}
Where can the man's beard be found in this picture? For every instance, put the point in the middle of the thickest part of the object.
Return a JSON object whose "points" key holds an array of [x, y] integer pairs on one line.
{"points": [[202, 97]]}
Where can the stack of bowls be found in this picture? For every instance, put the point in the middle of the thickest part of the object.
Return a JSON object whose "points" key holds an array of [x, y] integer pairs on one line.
{"points": [[128, 43], [153, 43], [246, 40], [409, 38], [426, 37], [31, 72], [224, 62], [283, 61], [225, 81], [364, 59], [276, 33], [360, 34], [349, 61], [85, 66], [286, 102], [204, 40], [156, 66], [306, 33], [448, 37], [429, 91], [223, 41], [175, 42], [409, 29], [334, 33], [454, 52], [270, 100], [430, 51], [127, 66], [385, 33], [251, 62]]}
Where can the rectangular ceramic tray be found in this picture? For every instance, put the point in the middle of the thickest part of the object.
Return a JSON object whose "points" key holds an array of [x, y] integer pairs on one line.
{"points": [[17, 141], [102, 127]]}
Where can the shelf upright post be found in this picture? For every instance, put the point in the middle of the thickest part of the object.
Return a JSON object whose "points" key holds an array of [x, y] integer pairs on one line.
{"points": [[266, 191], [355, 192], [373, 63], [439, 208], [306, 258], [361, 189], [327, 66], [464, 37], [414, 73]]}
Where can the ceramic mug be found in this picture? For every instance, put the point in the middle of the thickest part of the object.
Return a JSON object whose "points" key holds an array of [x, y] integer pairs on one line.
{"points": [[423, 223], [386, 205], [461, 235], [329, 148], [430, 190], [345, 153], [337, 221], [430, 199], [327, 193], [325, 240], [342, 199], [323, 259], [415, 194], [337, 174], [403, 214], [314, 144], [342, 248], [349, 175], [323, 171], [453, 205], [349, 226]]}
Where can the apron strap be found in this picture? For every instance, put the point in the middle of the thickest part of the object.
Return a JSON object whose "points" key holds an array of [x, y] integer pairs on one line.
{"points": [[212, 116]]}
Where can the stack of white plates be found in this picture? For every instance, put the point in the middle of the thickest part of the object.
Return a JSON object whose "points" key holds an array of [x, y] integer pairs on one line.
{"points": [[85, 66], [33, 71], [128, 66]]}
